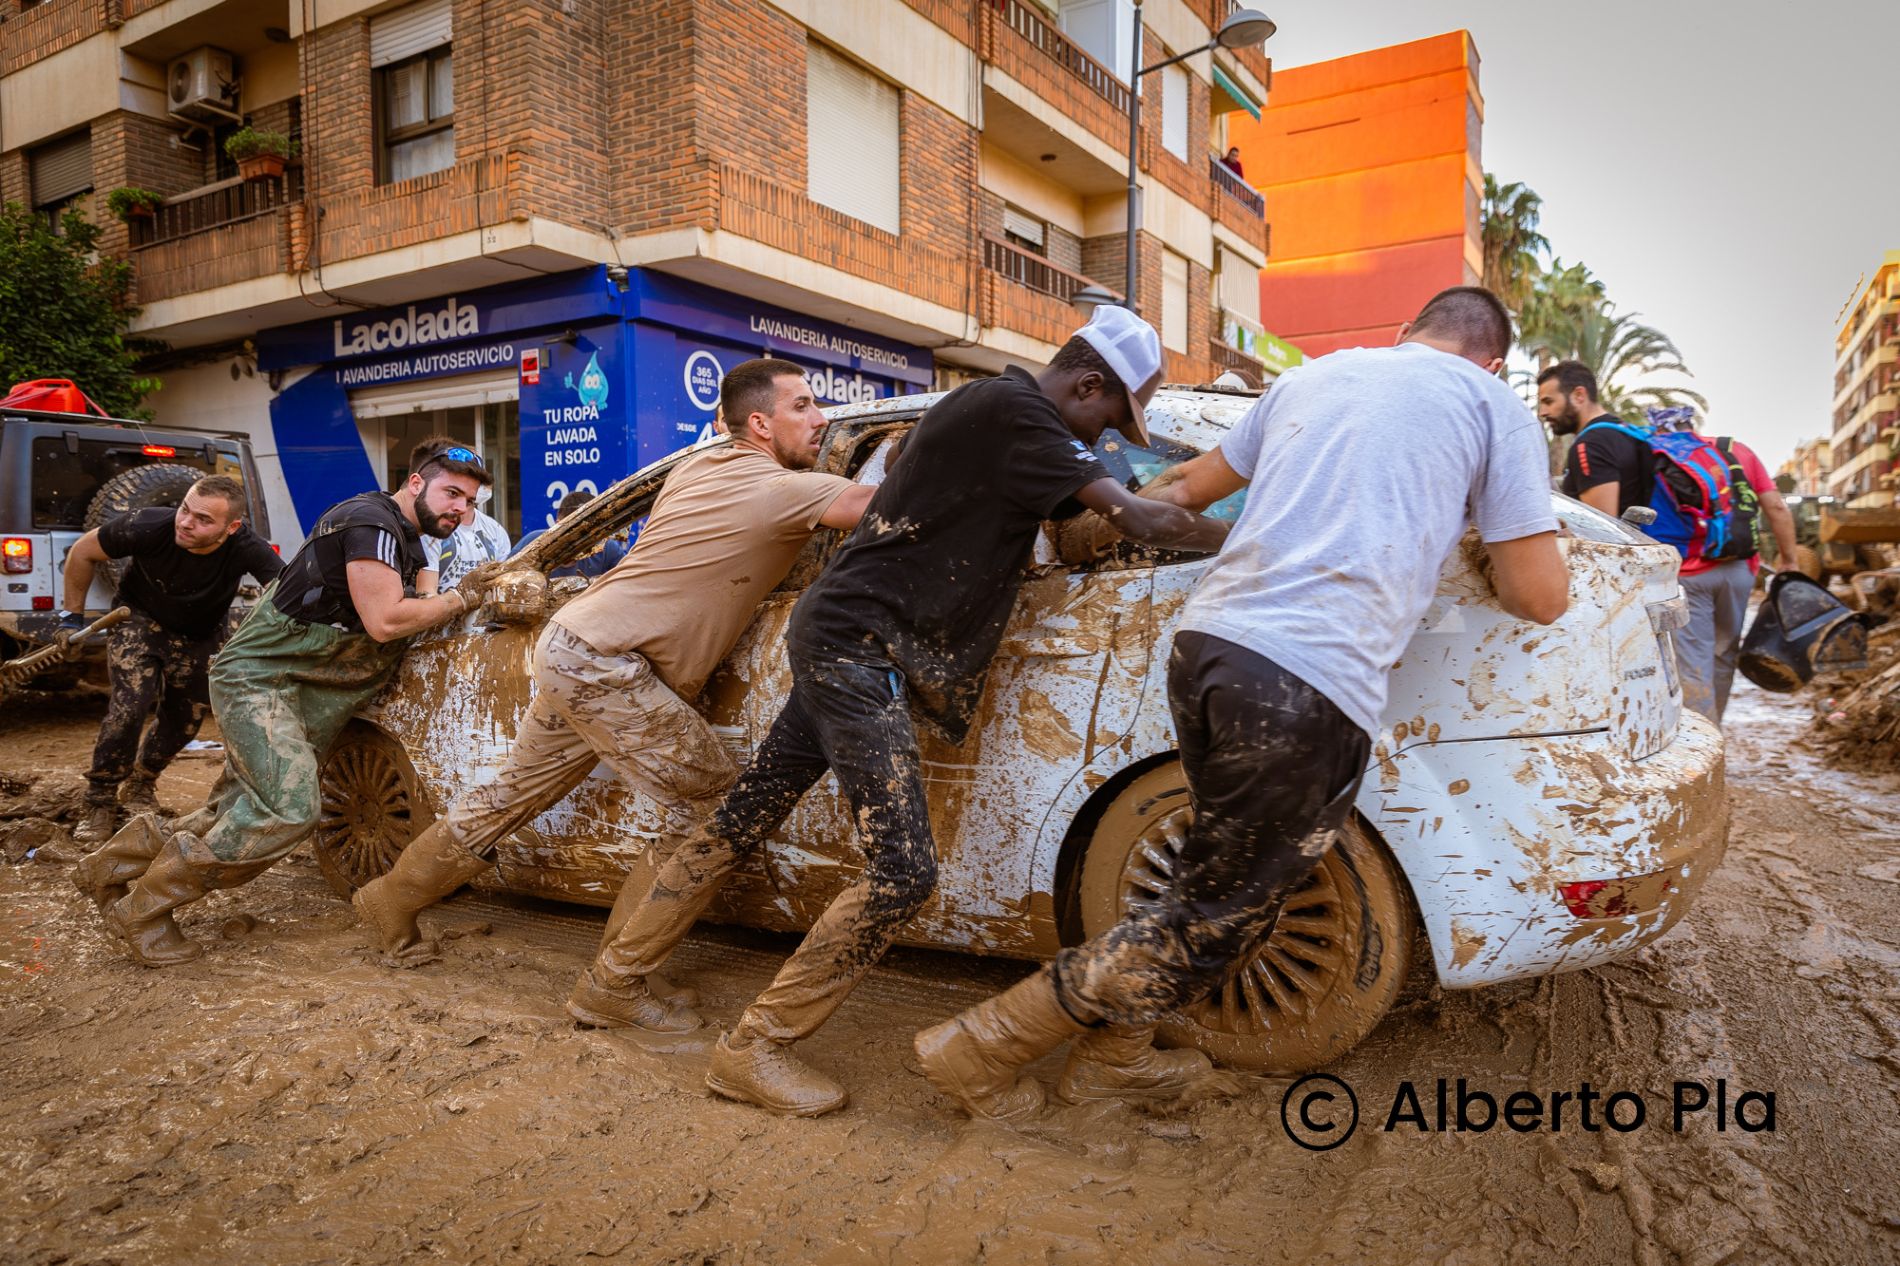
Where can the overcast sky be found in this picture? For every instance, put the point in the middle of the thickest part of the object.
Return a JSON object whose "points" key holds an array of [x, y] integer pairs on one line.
{"points": [[1729, 169]]}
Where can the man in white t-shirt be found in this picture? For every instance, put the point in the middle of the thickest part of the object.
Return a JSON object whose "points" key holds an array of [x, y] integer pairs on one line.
{"points": [[1365, 467]]}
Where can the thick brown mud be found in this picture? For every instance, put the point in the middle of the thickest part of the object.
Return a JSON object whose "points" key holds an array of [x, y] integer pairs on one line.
{"points": [[286, 1099]]}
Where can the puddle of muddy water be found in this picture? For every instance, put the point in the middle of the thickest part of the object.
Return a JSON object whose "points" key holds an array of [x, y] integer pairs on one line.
{"points": [[1769, 744]]}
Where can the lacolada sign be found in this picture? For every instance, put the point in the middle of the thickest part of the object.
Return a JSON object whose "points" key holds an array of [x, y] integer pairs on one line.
{"points": [[413, 328]]}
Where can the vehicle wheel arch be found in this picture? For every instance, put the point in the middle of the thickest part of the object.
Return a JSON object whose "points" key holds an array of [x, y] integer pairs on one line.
{"points": [[1081, 828]]}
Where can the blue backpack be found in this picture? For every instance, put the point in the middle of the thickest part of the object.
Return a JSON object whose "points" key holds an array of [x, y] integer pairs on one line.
{"points": [[1703, 502]]}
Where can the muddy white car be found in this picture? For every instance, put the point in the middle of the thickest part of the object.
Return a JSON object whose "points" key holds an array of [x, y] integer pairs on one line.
{"points": [[1539, 800]]}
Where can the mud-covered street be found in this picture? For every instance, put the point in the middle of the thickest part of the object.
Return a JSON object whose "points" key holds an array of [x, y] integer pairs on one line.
{"points": [[287, 1099]]}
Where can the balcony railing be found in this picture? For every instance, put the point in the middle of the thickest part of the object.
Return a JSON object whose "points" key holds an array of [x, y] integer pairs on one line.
{"points": [[1028, 22], [1031, 270], [1229, 357], [1236, 188], [227, 202]]}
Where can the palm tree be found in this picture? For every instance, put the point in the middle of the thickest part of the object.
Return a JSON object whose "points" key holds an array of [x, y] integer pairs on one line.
{"points": [[1512, 243], [1559, 299], [1568, 318]]}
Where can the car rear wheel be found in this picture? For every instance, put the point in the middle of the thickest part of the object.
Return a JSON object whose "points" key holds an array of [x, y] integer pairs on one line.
{"points": [[371, 807], [1320, 983]]}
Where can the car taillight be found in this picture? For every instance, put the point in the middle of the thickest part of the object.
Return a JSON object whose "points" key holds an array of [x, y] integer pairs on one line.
{"points": [[1615, 898], [277, 549], [17, 551], [159, 450]]}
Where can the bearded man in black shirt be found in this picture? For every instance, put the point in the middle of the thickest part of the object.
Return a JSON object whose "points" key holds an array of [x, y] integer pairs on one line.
{"points": [[186, 566], [907, 616]]}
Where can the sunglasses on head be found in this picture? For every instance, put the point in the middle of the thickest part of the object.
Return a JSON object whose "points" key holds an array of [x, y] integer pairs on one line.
{"points": [[460, 454]]}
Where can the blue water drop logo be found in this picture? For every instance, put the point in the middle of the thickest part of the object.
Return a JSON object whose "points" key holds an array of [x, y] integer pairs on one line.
{"points": [[593, 388]]}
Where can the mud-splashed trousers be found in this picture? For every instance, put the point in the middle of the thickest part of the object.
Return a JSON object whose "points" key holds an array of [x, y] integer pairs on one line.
{"points": [[282, 691], [1272, 768], [589, 707], [152, 670], [853, 719]]}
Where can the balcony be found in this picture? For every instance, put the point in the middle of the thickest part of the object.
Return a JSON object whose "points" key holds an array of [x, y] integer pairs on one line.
{"points": [[1026, 293], [1048, 103], [1231, 359], [1236, 188], [209, 207], [1028, 21]]}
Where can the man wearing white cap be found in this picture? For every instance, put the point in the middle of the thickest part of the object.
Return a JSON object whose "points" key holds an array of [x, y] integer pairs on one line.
{"points": [[908, 615]]}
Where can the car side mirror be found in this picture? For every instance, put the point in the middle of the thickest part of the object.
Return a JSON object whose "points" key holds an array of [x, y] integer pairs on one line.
{"points": [[1638, 516]]}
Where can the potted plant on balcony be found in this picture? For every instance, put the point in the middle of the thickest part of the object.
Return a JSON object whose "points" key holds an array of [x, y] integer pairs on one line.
{"points": [[130, 203], [260, 153]]}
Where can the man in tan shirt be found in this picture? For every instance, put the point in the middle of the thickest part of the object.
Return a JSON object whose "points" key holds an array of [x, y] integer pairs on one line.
{"points": [[615, 668]]}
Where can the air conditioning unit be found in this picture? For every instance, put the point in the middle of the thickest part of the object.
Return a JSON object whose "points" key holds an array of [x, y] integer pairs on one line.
{"points": [[202, 85]]}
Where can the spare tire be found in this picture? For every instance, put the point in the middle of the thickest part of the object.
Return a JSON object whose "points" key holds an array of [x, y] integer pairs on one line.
{"points": [[141, 488]]}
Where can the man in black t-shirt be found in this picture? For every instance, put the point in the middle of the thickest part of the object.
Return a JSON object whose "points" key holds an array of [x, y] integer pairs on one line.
{"points": [[909, 613], [1607, 468], [324, 638], [186, 566]]}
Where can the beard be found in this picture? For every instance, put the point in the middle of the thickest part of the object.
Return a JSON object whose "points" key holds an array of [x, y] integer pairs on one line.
{"points": [[440, 526], [1567, 422], [793, 457]]}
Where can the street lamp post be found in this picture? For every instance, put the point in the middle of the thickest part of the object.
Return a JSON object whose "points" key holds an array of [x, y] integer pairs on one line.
{"points": [[1242, 29]]}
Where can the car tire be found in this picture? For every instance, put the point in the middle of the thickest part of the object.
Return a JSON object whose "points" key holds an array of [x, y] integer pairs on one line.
{"points": [[1322, 981], [141, 488], [371, 807]]}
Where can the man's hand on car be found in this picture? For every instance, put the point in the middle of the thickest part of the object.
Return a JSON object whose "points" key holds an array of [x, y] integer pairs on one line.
{"points": [[478, 580]]}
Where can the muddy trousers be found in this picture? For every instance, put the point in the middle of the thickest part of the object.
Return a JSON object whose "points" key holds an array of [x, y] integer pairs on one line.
{"points": [[854, 720], [1709, 644], [1272, 767], [589, 707], [282, 690], [153, 671]]}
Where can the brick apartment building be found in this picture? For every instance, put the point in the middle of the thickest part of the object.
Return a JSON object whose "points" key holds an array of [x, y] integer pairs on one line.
{"points": [[547, 228], [1866, 386], [1809, 467]]}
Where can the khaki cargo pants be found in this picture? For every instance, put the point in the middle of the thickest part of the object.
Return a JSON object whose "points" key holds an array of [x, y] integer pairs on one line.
{"points": [[589, 707], [282, 691]]}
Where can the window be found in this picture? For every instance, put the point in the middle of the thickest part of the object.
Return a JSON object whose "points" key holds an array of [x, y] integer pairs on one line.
{"points": [[1025, 231], [1174, 111], [60, 173], [1239, 286], [1174, 302], [67, 475], [851, 139], [413, 64]]}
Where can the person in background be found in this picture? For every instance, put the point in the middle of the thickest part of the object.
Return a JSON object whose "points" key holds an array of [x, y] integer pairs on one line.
{"points": [[1610, 470], [1231, 161], [480, 539], [598, 563]]}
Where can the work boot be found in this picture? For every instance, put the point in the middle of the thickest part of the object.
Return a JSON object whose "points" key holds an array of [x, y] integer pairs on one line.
{"points": [[97, 826], [139, 793], [143, 917], [105, 873], [628, 1003], [431, 868], [1119, 1063], [973, 1057], [767, 1075], [639, 879]]}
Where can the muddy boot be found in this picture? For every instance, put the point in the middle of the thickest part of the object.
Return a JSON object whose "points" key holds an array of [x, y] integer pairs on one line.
{"points": [[97, 826], [973, 1057], [1118, 1063], [626, 1002], [143, 918], [639, 879], [139, 793], [428, 870], [767, 1075], [105, 873]]}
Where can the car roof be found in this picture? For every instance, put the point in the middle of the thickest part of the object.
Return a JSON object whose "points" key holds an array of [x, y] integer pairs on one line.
{"points": [[1196, 416], [92, 427]]}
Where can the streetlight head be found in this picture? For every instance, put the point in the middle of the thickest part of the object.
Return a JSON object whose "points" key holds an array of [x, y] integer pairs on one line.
{"points": [[1091, 297], [1244, 28]]}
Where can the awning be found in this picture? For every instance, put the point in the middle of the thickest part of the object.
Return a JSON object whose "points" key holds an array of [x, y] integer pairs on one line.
{"points": [[1237, 96]]}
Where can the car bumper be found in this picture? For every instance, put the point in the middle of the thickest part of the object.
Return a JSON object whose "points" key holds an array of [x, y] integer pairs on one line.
{"points": [[1539, 855]]}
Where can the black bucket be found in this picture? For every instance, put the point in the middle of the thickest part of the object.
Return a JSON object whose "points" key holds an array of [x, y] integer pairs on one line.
{"points": [[1801, 629]]}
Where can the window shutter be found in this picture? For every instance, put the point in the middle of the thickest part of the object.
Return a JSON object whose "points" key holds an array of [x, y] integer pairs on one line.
{"points": [[851, 139], [1174, 111], [1239, 286], [1025, 226], [1174, 302], [62, 168], [408, 31]]}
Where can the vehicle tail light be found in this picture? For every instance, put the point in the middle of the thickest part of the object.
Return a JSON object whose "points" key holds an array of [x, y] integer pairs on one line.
{"points": [[277, 549], [43, 602], [1615, 898], [159, 450], [17, 551]]}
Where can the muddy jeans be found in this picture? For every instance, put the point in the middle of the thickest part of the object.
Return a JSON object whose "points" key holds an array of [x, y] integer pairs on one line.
{"points": [[1272, 767], [589, 707], [150, 668], [1708, 645], [850, 718], [282, 690]]}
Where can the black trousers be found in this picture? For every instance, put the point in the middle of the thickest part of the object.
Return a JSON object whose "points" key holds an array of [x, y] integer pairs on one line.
{"points": [[153, 671], [1272, 767]]}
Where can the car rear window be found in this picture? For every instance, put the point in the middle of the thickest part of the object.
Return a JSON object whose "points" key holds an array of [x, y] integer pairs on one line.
{"points": [[1137, 467], [67, 477]]}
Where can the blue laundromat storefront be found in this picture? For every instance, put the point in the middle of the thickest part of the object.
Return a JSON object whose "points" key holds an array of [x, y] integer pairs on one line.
{"points": [[592, 380]]}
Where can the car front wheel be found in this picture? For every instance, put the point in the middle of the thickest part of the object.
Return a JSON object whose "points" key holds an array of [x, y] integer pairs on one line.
{"points": [[372, 806], [1318, 985]]}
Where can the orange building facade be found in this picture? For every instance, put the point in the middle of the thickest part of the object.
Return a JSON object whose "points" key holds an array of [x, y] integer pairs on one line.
{"points": [[1372, 173]]}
